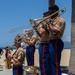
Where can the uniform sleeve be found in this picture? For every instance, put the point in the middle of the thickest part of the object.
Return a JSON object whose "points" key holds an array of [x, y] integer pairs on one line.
{"points": [[60, 26], [20, 55]]}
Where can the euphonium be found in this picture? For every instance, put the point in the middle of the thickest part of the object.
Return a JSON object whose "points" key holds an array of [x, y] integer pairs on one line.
{"points": [[36, 22], [31, 70]]}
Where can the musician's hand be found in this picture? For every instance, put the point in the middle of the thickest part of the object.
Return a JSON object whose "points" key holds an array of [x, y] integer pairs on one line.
{"points": [[9, 55], [35, 27], [31, 41], [24, 40]]}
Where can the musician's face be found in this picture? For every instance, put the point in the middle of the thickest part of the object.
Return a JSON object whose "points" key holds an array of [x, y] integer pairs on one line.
{"points": [[15, 43], [52, 11], [46, 15]]}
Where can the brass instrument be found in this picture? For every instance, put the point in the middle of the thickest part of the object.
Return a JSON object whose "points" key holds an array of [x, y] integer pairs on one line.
{"points": [[31, 70], [7, 63], [19, 28], [8, 60], [36, 22], [27, 35], [32, 21]]}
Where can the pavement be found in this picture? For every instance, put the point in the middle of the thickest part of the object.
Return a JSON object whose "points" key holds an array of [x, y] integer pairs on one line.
{"points": [[4, 71]]}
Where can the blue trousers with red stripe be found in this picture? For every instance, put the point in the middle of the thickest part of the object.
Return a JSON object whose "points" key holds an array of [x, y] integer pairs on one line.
{"points": [[17, 70], [30, 50], [55, 49], [44, 59]]}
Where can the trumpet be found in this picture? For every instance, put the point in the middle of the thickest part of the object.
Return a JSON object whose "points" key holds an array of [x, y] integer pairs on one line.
{"points": [[40, 20]]}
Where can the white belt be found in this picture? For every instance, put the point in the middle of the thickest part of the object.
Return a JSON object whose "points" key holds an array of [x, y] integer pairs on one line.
{"points": [[44, 41], [53, 38]]}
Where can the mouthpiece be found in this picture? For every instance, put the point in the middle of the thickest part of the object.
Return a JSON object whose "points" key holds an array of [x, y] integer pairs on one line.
{"points": [[63, 9]]}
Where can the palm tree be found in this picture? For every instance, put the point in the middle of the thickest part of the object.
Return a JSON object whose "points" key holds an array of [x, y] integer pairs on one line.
{"points": [[72, 55]]}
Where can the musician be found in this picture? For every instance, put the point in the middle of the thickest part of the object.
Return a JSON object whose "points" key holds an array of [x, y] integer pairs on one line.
{"points": [[30, 48], [7, 59], [56, 30], [7, 50], [18, 57], [43, 48]]}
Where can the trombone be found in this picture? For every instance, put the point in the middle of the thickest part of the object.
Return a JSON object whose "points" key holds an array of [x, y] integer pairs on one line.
{"points": [[37, 21], [40, 20], [19, 28]]}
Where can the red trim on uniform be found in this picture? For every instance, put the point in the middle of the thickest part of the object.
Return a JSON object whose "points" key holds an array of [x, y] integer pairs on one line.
{"points": [[33, 55], [56, 50], [43, 51], [16, 71]]}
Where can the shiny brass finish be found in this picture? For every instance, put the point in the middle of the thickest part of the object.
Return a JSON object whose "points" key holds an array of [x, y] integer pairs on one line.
{"points": [[40, 20], [31, 69], [7, 63], [37, 21], [8, 60]]}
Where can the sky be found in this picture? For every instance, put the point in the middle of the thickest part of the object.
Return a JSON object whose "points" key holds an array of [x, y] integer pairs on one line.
{"points": [[15, 14]]}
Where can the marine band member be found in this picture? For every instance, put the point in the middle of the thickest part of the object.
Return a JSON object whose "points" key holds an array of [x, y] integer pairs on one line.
{"points": [[30, 48], [43, 33], [18, 57], [56, 30]]}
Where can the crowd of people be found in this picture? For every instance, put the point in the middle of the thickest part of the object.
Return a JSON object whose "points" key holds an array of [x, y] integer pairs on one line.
{"points": [[49, 32]]}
